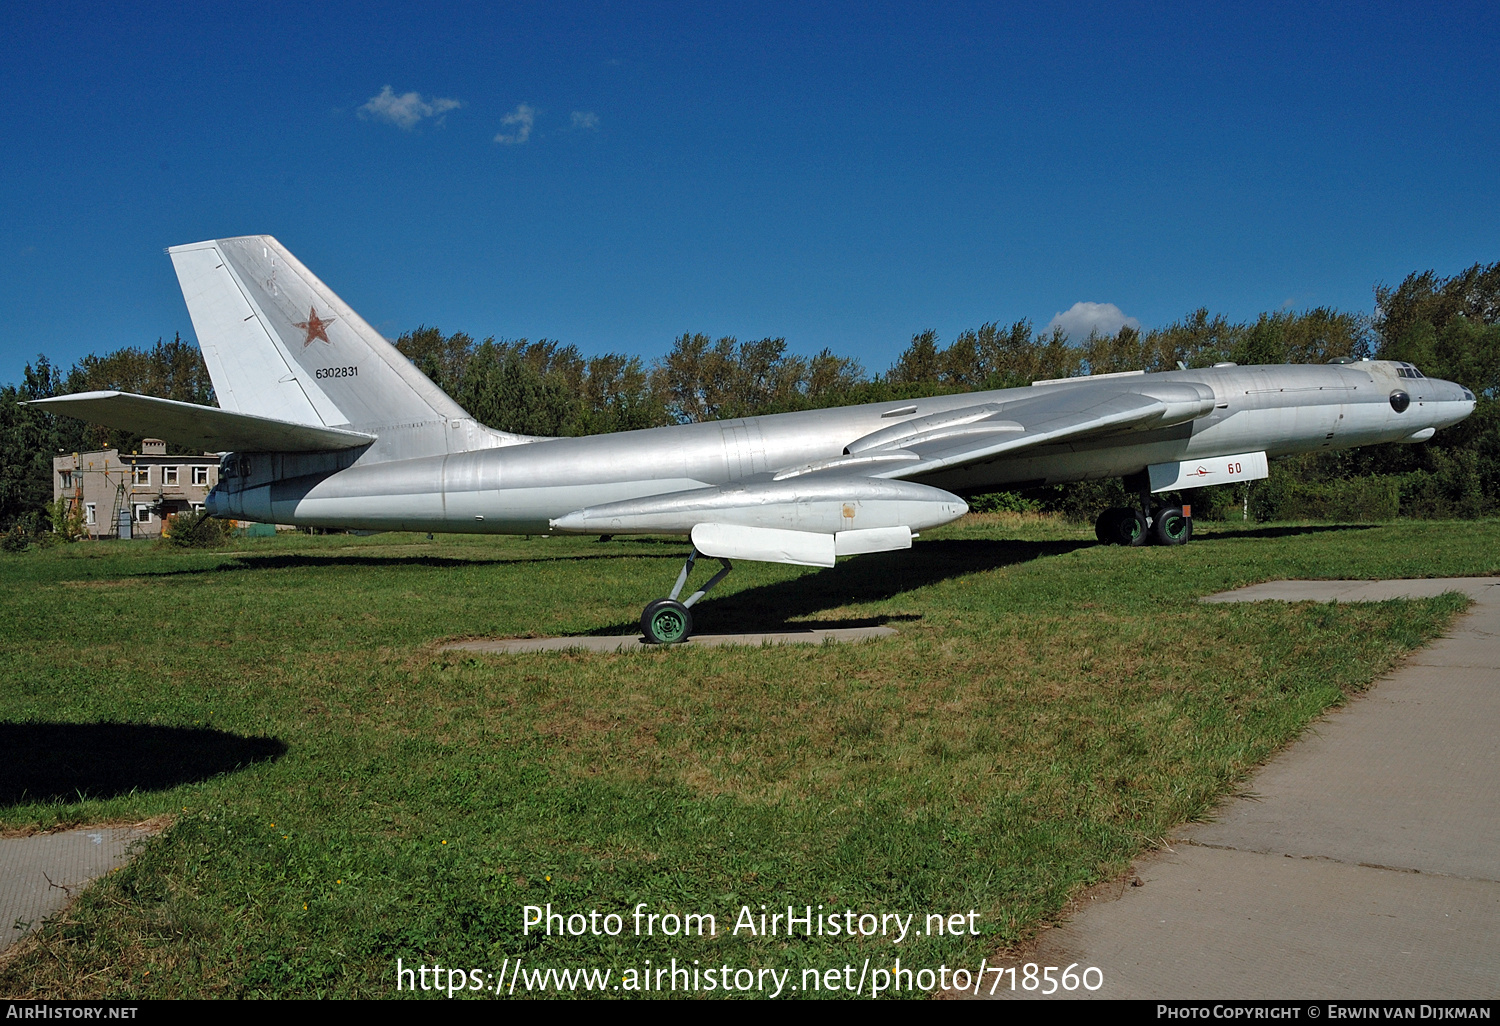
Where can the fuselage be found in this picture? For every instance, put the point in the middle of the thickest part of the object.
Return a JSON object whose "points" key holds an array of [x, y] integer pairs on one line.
{"points": [[516, 489]]}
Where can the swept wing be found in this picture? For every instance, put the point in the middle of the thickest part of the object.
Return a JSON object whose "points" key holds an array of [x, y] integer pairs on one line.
{"points": [[862, 501], [989, 431]]}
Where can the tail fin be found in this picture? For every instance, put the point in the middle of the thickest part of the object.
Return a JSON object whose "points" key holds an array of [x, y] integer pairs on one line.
{"points": [[278, 343]]}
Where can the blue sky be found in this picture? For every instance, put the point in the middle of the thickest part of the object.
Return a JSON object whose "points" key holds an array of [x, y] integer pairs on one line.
{"points": [[613, 175]]}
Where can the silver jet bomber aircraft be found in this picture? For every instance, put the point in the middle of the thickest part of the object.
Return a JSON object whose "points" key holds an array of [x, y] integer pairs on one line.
{"points": [[324, 423]]}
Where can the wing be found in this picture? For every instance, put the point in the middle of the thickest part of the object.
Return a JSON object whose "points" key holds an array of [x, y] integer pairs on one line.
{"points": [[1062, 412], [861, 501], [205, 428]]}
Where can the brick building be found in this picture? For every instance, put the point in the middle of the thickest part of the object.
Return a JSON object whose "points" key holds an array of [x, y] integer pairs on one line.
{"points": [[128, 495]]}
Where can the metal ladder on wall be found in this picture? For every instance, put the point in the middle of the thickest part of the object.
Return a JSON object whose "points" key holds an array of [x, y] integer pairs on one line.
{"points": [[120, 504]]}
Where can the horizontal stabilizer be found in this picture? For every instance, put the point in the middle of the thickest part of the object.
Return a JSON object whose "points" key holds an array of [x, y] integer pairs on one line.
{"points": [[202, 428]]}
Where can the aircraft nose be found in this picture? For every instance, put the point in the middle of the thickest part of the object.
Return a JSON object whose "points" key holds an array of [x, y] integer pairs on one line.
{"points": [[1456, 393], [1454, 400]]}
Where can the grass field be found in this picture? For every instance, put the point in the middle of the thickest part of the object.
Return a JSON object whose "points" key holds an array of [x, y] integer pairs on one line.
{"points": [[342, 794]]}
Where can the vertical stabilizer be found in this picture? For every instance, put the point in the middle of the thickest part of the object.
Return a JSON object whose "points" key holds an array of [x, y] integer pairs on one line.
{"points": [[278, 343]]}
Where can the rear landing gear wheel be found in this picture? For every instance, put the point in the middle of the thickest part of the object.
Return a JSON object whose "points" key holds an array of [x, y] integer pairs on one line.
{"points": [[1107, 527], [1123, 527], [1171, 527], [666, 622]]}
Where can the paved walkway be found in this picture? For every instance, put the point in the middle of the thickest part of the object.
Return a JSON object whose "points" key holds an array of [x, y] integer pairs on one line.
{"points": [[626, 644], [1362, 862], [40, 874]]}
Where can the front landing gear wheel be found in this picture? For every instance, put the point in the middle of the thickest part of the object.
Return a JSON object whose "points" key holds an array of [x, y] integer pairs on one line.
{"points": [[1171, 527], [666, 622]]}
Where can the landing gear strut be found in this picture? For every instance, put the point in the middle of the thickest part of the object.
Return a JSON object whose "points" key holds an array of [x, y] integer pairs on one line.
{"points": [[667, 621]]}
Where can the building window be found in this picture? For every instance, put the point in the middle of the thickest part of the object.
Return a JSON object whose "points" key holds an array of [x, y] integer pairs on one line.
{"points": [[140, 475], [89, 514], [67, 479], [200, 475], [169, 476], [142, 513]]}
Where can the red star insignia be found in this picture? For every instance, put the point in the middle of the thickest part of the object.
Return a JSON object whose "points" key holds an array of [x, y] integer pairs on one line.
{"points": [[315, 327]]}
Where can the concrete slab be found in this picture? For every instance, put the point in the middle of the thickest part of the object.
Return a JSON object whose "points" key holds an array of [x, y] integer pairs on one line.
{"points": [[1362, 862], [1238, 925], [1358, 591], [41, 873], [1470, 648], [627, 644], [1408, 785]]}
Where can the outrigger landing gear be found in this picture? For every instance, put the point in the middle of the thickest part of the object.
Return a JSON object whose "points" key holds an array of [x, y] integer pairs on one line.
{"points": [[667, 621]]}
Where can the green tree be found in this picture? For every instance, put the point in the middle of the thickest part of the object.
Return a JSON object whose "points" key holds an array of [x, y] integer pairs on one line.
{"points": [[919, 363], [29, 439]]}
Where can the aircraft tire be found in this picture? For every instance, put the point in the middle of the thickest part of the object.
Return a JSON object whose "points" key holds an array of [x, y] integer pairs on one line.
{"points": [[1104, 526], [1110, 530], [1171, 527], [1131, 529], [666, 622]]}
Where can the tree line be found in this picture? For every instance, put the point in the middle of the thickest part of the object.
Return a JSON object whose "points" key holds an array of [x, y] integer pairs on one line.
{"points": [[29, 438], [1448, 326]]}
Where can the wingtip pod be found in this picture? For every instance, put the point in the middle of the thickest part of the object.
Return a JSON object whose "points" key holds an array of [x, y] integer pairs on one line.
{"points": [[826, 506]]}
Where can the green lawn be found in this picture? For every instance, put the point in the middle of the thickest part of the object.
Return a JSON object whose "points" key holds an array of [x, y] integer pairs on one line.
{"points": [[341, 794]]}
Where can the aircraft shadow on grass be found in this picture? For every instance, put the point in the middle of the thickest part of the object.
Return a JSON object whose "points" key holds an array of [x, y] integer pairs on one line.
{"points": [[378, 562], [47, 762], [672, 549], [1231, 530], [870, 578], [884, 575]]}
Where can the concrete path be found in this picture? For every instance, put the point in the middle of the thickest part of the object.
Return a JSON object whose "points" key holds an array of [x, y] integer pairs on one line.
{"points": [[40, 874], [627, 644], [1362, 862]]}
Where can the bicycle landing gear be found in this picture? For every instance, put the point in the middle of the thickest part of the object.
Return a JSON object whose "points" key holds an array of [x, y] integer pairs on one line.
{"points": [[667, 621]]}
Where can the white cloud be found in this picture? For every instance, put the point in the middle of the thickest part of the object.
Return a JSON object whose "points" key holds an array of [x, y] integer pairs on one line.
{"points": [[522, 118], [586, 119], [407, 110], [1081, 318]]}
